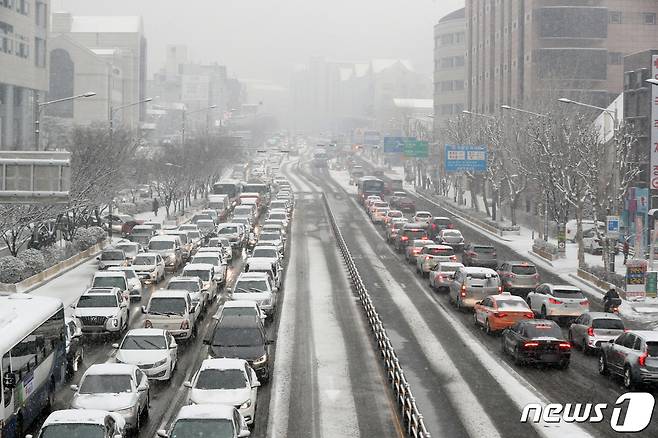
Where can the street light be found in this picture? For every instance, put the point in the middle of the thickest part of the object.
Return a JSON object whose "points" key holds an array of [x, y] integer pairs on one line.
{"points": [[185, 113], [651, 81], [37, 111], [521, 110], [471, 113], [111, 114], [611, 113]]}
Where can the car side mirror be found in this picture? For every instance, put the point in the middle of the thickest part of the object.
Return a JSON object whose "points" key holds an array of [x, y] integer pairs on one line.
{"points": [[187, 384], [143, 309], [256, 384], [115, 346], [98, 258], [74, 388], [143, 387], [192, 310], [162, 433], [244, 433]]}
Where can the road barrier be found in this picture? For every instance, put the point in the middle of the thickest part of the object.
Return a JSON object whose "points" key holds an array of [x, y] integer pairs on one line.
{"points": [[414, 425]]}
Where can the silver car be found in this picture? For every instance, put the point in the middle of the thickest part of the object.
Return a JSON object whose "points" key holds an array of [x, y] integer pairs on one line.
{"points": [[471, 284], [633, 356], [114, 387], [592, 329], [442, 274]]}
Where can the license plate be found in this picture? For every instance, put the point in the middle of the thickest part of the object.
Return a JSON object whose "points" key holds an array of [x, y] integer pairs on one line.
{"points": [[549, 357]]}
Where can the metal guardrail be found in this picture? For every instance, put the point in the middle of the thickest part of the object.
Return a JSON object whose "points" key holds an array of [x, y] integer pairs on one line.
{"points": [[414, 425]]}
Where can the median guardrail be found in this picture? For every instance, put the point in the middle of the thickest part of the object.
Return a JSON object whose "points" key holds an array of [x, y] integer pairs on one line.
{"points": [[414, 424]]}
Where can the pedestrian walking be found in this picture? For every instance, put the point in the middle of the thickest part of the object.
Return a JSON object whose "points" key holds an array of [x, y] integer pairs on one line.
{"points": [[156, 206], [625, 250]]}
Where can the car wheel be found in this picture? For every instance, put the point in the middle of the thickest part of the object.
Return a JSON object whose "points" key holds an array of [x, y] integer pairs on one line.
{"points": [[628, 378], [79, 360], [475, 319], [517, 357], [603, 365], [487, 327], [564, 364], [542, 314], [585, 347]]}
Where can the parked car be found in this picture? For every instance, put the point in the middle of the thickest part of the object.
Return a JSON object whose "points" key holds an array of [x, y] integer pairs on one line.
{"points": [[228, 382], [592, 329], [519, 277], [476, 254], [558, 301], [633, 356], [87, 423], [150, 267], [171, 310], [537, 341], [207, 421], [433, 254], [496, 313], [154, 351], [442, 274], [102, 311], [472, 284], [114, 387]]}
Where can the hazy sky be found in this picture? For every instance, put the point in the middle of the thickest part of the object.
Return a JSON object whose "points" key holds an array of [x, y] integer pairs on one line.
{"points": [[265, 38]]}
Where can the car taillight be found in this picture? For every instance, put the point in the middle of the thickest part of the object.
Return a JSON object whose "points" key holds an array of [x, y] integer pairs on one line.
{"points": [[427, 257], [148, 324], [440, 277], [463, 292], [449, 226], [493, 254], [415, 251], [565, 346], [500, 315], [453, 258], [530, 315], [536, 277], [642, 360], [500, 289], [530, 344], [584, 303], [434, 226], [185, 324], [404, 238], [590, 331], [554, 301]]}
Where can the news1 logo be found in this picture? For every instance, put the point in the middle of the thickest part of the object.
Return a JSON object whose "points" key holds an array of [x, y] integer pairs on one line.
{"points": [[631, 412]]}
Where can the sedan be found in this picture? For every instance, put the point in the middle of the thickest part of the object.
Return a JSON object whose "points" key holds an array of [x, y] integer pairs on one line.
{"points": [[87, 423], [537, 341], [414, 249], [207, 421], [431, 255], [114, 387], [154, 351], [422, 217], [452, 238], [499, 312], [225, 381], [442, 274], [150, 267]]}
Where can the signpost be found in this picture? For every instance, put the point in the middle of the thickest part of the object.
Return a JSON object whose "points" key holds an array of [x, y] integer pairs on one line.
{"points": [[652, 283], [612, 226], [465, 158], [416, 149], [396, 145], [561, 238], [636, 279]]}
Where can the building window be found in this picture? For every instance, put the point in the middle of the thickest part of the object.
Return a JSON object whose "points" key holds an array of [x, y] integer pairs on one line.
{"points": [[6, 38], [615, 58], [41, 14], [446, 86], [7, 3], [447, 62], [447, 39], [459, 37], [649, 17], [22, 47], [458, 85], [40, 52], [459, 61], [615, 17], [22, 7]]}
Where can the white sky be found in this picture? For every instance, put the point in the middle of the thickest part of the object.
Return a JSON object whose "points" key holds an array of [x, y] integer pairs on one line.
{"points": [[265, 38]]}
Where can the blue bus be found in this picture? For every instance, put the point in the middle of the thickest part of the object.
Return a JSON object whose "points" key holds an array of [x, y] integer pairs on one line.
{"points": [[33, 348]]}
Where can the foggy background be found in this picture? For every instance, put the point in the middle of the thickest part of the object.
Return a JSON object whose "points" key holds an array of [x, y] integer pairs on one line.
{"points": [[264, 39]]}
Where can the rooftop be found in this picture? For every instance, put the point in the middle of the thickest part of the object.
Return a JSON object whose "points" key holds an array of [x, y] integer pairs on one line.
{"points": [[106, 24], [455, 15]]}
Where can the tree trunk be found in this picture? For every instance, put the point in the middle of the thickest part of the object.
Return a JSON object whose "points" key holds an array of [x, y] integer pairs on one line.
{"points": [[579, 236], [513, 205], [484, 196]]}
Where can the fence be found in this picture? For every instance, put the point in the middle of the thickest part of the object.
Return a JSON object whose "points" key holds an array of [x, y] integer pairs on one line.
{"points": [[413, 420]]}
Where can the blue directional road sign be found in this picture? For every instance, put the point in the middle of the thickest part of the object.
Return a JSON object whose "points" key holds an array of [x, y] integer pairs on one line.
{"points": [[465, 158], [612, 226], [397, 144]]}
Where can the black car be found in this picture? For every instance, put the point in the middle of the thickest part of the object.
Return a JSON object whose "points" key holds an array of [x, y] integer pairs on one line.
{"points": [[241, 337], [537, 341]]}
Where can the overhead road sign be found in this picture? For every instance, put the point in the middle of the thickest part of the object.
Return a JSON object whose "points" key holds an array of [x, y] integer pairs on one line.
{"points": [[397, 145], [416, 149], [465, 158]]}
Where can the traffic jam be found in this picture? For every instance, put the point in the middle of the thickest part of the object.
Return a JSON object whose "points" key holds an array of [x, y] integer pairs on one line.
{"points": [[539, 324], [215, 281]]}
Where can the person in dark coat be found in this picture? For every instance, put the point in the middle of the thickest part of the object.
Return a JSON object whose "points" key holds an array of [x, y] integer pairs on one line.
{"points": [[156, 206]]}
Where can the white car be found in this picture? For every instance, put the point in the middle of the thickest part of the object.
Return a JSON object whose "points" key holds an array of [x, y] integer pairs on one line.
{"points": [[194, 286], [240, 308], [279, 214], [171, 310], [269, 252], [227, 382], [422, 217], [557, 301], [272, 239], [170, 248], [255, 286], [87, 423], [154, 351], [150, 267], [442, 274], [222, 242], [134, 283], [102, 311], [206, 272], [114, 387], [105, 279], [215, 259], [207, 421]]}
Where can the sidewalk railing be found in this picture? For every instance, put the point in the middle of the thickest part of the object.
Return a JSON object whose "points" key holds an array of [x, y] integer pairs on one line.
{"points": [[414, 425]]}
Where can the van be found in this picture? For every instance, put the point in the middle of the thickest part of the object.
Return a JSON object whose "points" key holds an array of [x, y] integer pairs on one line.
{"points": [[171, 310], [472, 284]]}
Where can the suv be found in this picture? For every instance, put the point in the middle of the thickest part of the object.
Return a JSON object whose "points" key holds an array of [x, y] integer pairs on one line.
{"points": [[169, 247], [431, 255], [592, 329], [519, 277], [407, 234], [255, 286], [471, 284], [437, 224], [241, 337], [207, 273], [194, 286], [633, 356], [235, 233], [451, 237], [171, 310], [476, 254], [108, 279], [149, 267], [557, 301], [103, 311], [111, 257]]}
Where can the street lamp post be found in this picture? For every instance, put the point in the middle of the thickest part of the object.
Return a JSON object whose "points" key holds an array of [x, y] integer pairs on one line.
{"points": [[111, 113], [521, 110], [185, 113], [471, 113], [37, 112]]}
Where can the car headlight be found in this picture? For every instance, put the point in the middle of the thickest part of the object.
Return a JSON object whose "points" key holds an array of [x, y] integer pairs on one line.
{"points": [[115, 322], [261, 360], [246, 404], [126, 411], [160, 363]]}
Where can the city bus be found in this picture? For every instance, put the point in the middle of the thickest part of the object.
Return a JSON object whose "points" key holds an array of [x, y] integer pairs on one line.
{"points": [[230, 187], [33, 348], [369, 185]]}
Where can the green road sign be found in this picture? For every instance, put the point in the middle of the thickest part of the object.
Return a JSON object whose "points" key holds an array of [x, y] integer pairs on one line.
{"points": [[416, 149], [652, 280]]}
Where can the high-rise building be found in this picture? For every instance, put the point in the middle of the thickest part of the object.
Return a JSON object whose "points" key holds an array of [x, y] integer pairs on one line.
{"points": [[23, 68], [519, 51], [123, 33], [449, 67]]}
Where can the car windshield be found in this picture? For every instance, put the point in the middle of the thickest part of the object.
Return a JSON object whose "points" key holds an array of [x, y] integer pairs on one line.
{"points": [[203, 274], [194, 234], [130, 250], [394, 214], [449, 268], [202, 427], [265, 252], [144, 260], [239, 311], [220, 379], [167, 305], [423, 215], [112, 255], [277, 216], [119, 282], [608, 324], [452, 233], [73, 430], [652, 349], [512, 305], [159, 245], [105, 384], [228, 230], [190, 286], [97, 300], [137, 342], [481, 275], [205, 259], [484, 249], [543, 330], [129, 273], [237, 337], [524, 270], [251, 286], [567, 293], [269, 237]]}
